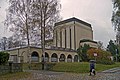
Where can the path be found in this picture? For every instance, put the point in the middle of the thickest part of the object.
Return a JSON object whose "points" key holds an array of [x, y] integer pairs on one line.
{"points": [[49, 75]]}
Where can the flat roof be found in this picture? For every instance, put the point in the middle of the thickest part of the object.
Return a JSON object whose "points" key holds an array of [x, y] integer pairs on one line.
{"points": [[72, 19], [87, 40]]}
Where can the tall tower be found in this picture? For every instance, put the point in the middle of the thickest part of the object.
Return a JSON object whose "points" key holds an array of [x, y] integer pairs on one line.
{"points": [[68, 33]]}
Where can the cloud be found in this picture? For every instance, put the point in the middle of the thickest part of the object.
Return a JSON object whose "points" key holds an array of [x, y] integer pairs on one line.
{"points": [[96, 12]]}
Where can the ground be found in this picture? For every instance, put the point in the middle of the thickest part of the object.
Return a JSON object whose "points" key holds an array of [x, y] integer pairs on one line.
{"points": [[49, 75]]}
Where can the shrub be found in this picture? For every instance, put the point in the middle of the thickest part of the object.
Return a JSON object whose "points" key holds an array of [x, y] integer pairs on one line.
{"points": [[106, 62], [4, 56], [49, 66], [101, 54]]}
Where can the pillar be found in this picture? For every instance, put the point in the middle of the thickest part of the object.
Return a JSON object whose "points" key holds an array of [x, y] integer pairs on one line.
{"points": [[50, 59], [65, 59], [40, 59]]}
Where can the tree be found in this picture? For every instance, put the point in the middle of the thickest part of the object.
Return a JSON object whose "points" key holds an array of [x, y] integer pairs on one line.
{"points": [[4, 56], [27, 17], [3, 43], [112, 48], [82, 52], [116, 18], [100, 45], [103, 57], [48, 14]]}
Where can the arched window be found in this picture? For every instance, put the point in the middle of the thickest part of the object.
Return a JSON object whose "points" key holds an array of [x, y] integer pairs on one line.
{"points": [[76, 58], [54, 57], [62, 58], [34, 57], [69, 58]]}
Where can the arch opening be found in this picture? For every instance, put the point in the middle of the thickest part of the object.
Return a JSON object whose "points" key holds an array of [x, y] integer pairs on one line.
{"points": [[69, 58], [76, 58], [54, 57], [34, 57], [62, 58]]}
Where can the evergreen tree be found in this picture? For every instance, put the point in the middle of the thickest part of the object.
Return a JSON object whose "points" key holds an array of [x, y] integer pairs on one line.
{"points": [[112, 48], [82, 52], [4, 56]]}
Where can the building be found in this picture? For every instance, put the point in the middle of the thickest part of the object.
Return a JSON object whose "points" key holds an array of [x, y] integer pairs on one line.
{"points": [[91, 43], [66, 40], [68, 33]]}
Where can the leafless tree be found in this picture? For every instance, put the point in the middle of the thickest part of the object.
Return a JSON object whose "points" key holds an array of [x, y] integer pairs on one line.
{"points": [[33, 19]]}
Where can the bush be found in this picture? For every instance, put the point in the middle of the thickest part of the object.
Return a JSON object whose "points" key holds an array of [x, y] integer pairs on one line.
{"points": [[106, 62], [49, 66], [32, 66], [4, 56], [101, 54]]}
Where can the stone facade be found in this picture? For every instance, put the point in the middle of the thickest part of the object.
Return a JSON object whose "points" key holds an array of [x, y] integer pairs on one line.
{"points": [[68, 33], [21, 55], [66, 40]]}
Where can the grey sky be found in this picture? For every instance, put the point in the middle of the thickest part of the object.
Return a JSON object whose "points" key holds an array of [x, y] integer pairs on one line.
{"points": [[96, 12]]}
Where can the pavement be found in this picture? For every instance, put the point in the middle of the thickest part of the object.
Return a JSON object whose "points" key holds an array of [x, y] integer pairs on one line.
{"points": [[111, 74]]}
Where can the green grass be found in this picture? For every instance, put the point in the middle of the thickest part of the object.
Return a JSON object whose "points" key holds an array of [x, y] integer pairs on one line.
{"points": [[101, 67], [82, 67], [33, 66], [15, 76]]}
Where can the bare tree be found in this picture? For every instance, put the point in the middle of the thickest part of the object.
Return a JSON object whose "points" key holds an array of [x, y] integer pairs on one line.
{"points": [[31, 18], [116, 19], [100, 45], [48, 14]]}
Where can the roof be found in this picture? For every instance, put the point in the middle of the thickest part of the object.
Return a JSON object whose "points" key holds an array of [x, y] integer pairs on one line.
{"points": [[72, 19], [87, 40]]}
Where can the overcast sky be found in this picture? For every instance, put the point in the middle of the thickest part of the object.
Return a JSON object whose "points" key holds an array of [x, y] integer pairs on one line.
{"points": [[96, 12]]}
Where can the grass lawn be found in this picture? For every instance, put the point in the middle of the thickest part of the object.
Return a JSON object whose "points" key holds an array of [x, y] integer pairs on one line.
{"points": [[15, 76], [82, 67]]}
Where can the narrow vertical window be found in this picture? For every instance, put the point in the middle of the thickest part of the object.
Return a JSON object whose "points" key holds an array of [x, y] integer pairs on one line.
{"points": [[56, 38], [74, 37], [60, 38], [65, 39], [70, 38]]}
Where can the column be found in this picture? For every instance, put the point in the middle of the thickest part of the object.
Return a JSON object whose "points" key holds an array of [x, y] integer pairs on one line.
{"points": [[67, 38], [18, 59], [63, 38], [50, 59], [72, 58], [65, 58], [58, 60], [58, 38], [40, 59]]}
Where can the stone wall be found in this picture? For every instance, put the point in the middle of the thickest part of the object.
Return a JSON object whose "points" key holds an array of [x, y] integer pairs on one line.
{"points": [[13, 67]]}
